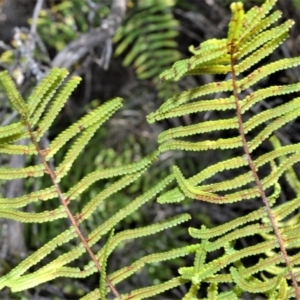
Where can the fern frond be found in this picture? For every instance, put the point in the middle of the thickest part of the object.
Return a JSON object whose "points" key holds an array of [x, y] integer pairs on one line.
{"points": [[251, 38], [14, 173], [154, 46], [34, 115]]}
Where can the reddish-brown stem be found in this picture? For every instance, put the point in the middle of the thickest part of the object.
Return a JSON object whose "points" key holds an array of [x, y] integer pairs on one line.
{"points": [[255, 175], [64, 201]]}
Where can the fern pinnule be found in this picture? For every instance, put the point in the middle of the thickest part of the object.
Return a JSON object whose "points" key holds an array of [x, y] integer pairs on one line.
{"points": [[56, 105], [166, 110], [205, 233], [191, 108], [144, 231], [212, 291], [12, 132], [125, 272], [122, 213], [14, 173], [185, 131], [256, 20], [27, 217], [290, 173], [148, 292], [249, 230], [73, 152], [172, 196], [97, 116], [44, 92], [91, 178], [267, 70], [200, 257], [251, 284], [236, 24], [17, 202], [37, 256], [284, 111], [229, 143], [90, 207], [14, 96], [191, 191], [12, 149], [102, 288], [282, 291]]}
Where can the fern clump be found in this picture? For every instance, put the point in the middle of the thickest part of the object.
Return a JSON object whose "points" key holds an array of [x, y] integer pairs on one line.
{"points": [[223, 267], [252, 36]]}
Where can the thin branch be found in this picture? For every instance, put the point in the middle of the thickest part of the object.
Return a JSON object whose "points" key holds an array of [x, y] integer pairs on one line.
{"points": [[36, 12], [77, 49], [255, 175]]}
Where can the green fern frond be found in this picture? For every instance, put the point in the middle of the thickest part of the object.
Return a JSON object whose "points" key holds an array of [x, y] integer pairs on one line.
{"points": [[37, 115], [148, 39], [251, 38], [154, 46]]}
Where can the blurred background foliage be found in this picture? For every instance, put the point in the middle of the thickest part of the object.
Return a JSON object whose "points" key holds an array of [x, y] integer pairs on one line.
{"points": [[153, 35]]}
